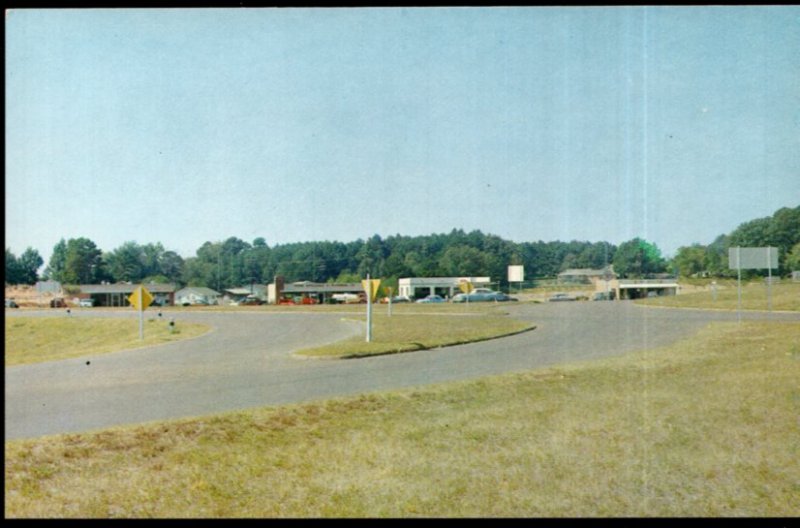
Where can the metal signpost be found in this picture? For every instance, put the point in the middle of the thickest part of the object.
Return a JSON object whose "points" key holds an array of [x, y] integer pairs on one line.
{"points": [[390, 290], [140, 299], [607, 277], [466, 287], [740, 258], [371, 288]]}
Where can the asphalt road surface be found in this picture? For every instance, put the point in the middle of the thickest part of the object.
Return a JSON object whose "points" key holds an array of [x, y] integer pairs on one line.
{"points": [[246, 361]]}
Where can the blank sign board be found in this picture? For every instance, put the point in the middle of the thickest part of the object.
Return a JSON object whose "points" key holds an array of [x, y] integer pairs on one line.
{"points": [[516, 273], [753, 258]]}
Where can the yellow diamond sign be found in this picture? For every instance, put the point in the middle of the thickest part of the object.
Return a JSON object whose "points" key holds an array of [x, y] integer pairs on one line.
{"points": [[465, 286], [140, 298], [371, 287]]}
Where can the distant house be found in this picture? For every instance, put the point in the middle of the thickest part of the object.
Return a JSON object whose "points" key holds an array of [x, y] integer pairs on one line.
{"points": [[196, 295], [236, 295]]}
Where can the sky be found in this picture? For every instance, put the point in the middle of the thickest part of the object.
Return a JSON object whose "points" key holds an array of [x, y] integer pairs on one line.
{"points": [[181, 126]]}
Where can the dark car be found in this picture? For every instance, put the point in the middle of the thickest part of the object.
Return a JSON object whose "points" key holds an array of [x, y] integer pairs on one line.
{"points": [[58, 302], [252, 301], [502, 297], [562, 297], [603, 296], [10, 303]]}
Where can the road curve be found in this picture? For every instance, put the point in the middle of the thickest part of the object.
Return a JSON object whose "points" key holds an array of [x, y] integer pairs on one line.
{"points": [[246, 361]]}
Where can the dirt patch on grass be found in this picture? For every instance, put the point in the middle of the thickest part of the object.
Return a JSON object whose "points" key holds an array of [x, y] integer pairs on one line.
{"points": [[27, 297]]}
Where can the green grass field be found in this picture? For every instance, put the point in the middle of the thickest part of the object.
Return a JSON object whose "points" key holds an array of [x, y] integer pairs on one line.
{"points": [[785, 297], [706, 427], [37, 339]]}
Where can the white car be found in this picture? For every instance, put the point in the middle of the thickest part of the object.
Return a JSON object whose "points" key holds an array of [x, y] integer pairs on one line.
{"points": [[86, 303], [347, 298]]}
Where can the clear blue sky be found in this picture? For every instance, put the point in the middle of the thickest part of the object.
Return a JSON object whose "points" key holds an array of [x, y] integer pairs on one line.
{"points": [[181, 126]]}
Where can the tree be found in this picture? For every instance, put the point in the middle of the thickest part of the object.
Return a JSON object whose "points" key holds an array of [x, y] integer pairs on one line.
{"points": [[58, 262], [691, 260], [793, 258], [13, 269], [29, 263], [717, 257], [638, 258], [171, 266], [462, 261], [125, 263], [83, 264]]}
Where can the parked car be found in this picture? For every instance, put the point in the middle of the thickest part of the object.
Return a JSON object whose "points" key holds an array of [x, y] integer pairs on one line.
{"points": [[431, 299], [400, 299], [482, 295], [10, 303], [58, 302], [562, 297], [502, 297], [251, 301], [348, 298], [86, 303], [195, 302], [603, 296]]}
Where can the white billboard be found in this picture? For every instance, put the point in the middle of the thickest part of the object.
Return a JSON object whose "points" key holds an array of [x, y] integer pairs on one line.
{"points": [[516, 273], [752, 258]]}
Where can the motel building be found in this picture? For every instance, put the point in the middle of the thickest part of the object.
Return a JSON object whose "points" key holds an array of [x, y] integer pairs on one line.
{"points": [[418, 287]]}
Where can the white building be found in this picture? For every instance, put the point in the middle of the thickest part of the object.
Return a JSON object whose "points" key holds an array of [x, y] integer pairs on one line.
{"points": [[196, 295], [445, 286]]}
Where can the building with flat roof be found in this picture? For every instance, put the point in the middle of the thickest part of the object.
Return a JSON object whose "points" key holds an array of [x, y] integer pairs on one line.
{"points": [[117, 294], [413, 287], [318, 291]]}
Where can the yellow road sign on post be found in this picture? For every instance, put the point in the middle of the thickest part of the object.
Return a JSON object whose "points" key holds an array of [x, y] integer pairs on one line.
{"points": [[371, 287], [465, 286], [140, 302], [140, 299]]}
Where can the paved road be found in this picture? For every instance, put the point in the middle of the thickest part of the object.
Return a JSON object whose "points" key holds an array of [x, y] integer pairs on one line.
{"points": [[246, 362]]}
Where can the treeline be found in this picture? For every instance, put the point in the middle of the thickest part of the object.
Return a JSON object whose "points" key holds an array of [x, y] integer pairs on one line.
{"points": [[235, 262], [781, 230]]}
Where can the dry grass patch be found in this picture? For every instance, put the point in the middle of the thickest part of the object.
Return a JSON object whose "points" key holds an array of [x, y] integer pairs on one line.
{"points": [[706, 427], [785, 296], [37, 339]]}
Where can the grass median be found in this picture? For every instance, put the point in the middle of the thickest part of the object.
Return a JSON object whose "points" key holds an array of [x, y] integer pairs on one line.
{"points": [[707, 427], [755, 296], [404, 332], [38, 339]]}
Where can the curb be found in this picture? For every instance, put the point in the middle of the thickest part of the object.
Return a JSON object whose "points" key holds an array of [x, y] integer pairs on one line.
{"points": [[423, 347]]}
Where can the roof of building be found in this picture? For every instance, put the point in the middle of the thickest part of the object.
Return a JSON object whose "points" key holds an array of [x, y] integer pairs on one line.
{"points": [[125, 288], [319, 287], [583, 272], [238, 291], [445, 281], [199, 290]]}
